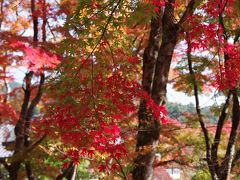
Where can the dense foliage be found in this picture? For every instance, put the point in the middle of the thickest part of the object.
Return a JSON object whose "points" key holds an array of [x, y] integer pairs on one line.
{"points": [[84, 84]]}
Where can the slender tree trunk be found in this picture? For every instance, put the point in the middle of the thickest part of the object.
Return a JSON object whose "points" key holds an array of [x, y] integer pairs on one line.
{"points": [[22, 127], [34, 102], [223, 171], [211, 163], [44, 23], [19, 128], [1, 15], [35, 22], [226, 165]]}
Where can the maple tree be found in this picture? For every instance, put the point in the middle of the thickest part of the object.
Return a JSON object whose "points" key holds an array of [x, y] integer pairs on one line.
{"points": [[156, 65], [23, 52], [216, 33], [104, 67], [219, 167]]}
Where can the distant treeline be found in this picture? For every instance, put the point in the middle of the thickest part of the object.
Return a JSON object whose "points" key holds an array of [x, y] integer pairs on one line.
{"points": [[181, 112]]}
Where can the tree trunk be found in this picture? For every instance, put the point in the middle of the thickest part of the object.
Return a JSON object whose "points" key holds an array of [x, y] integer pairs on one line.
{"points": [[143, 163], [155, 78], [13, 171], [156, 68], [22, 127]]}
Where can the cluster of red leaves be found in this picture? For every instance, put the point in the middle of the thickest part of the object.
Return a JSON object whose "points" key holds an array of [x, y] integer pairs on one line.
{"points": [[44, 9], [7, 113], [36, 59], [203, 36], [92, 131], [90, 108], [228, 76], [157, 4], [207, 34], [214, 8], [159, 112]]}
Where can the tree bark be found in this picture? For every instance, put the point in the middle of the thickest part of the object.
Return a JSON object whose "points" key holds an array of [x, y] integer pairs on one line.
{"points": [[226, 164], [44, 23], [69, 173], [143, 163], [156, 66], [228, 161], [13, 171], [223, 171], [35, 22], [22, 127], [29, 171], [209, 154]]}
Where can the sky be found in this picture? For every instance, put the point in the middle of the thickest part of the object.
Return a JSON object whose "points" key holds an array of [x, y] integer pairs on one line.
{"points": [[182, 98]]}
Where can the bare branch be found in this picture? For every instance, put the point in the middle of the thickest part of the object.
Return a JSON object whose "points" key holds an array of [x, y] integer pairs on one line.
{"points": [[118, 162]]}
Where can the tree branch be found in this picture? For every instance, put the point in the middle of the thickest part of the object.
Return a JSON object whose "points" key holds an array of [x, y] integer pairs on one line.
{"points": [[236, 38], [31, 108], [188, 12], [218, 132], [29, 171], [195, 89], [19, 128], [103, 33], [124, 175], [68, 172], [228, 159], [236, 158], [22, 155]]}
